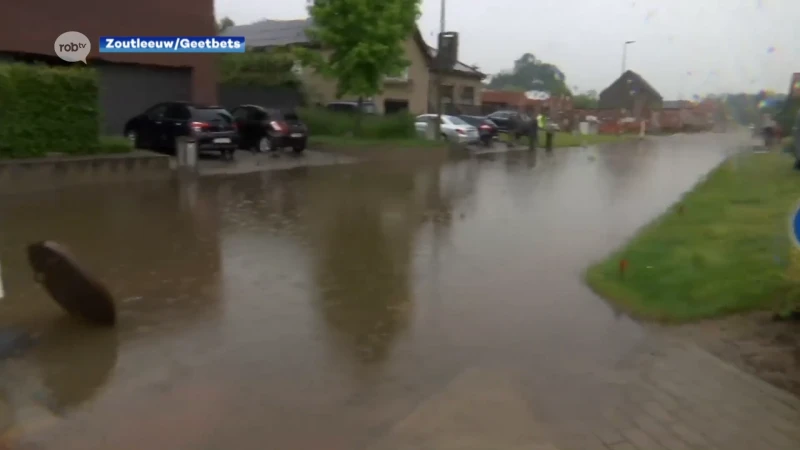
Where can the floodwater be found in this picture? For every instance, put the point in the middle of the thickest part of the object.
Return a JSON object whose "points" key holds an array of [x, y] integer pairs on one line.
{"points": [[316, 307]]}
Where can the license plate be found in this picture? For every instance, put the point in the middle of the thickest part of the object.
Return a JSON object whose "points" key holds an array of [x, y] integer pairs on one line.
{"points": [[297, 135], [222, 141]]}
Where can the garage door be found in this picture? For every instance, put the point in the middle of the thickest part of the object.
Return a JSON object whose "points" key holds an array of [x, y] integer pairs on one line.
{"points": [[127, 90]]}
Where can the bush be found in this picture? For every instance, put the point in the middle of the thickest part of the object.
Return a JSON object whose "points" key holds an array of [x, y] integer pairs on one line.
{"points": [[322, 122], [113, 144], [47, 109]]}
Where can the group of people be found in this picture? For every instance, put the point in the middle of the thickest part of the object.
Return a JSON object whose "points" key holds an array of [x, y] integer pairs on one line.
{"points": [[521, 126]]}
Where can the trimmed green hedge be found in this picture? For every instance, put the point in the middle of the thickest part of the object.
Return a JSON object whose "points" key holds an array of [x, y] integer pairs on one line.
{"points": [[48, 109], [322, 122]]}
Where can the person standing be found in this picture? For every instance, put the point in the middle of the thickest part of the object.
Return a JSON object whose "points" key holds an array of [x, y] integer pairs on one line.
{"points": [[533, 133], [549, 132]]}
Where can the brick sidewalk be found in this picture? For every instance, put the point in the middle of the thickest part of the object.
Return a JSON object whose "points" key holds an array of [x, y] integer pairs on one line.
{"points": [[672, 396]]}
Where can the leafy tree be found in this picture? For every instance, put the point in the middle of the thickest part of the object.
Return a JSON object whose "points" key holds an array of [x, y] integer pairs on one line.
{"points": [[531, 74], [586, 100], [363, 42], [224, 24]]}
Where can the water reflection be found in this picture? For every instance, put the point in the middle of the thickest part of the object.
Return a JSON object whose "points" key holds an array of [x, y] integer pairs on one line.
{"points": [[74, 363], [363, 252]]}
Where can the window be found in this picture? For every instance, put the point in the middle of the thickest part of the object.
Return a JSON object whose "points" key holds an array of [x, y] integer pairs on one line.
{"points": [[157, 112], [212, 114], [468, 95], [256, 114], [454, 120], [240, 113], [402, 76], [447, 94], [177, 112]]}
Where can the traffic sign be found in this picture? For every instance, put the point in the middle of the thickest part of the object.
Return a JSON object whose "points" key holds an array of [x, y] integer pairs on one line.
{"points": [[794, 226]]}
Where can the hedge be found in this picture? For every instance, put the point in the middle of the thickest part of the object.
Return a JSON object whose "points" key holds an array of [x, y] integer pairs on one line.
{"points": [[48, 109], [321, 122]]}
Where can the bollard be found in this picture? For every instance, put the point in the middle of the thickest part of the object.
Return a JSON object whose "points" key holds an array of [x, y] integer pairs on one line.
{"points": [[187, 154], [430, 130]]}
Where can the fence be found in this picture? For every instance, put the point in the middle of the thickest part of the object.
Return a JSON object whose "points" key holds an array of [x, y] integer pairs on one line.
{"points": [[279, 97]]}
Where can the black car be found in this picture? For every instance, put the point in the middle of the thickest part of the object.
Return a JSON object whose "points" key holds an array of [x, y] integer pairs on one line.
{"points": [[503, 119], [352, 107], [266, 129], [487, 129], [160, 126]]}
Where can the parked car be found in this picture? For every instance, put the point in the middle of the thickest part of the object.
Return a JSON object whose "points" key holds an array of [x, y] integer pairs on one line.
{"points": [[487, 130], [503, 119], [268, 129], [352, 107], [452, 128], [160, 126]]}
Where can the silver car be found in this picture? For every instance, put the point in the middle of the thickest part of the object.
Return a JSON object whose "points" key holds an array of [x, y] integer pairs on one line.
{"points": [[452, 128]]}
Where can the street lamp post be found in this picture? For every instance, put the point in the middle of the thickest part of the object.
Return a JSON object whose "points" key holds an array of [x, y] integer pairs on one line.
{"points": [[625, 53], [439, 72]]}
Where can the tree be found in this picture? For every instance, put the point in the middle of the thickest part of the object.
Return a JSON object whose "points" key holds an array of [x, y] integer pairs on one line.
{"points": [[224, 24], [259, 67], [586, 100], [363, 41], [531, 74]]}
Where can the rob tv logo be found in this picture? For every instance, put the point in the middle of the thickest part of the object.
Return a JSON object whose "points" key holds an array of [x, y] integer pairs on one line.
{"points": [[72, 46]]}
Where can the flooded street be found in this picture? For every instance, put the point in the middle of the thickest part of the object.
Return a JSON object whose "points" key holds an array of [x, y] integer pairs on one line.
{"points": [[322, 307]]}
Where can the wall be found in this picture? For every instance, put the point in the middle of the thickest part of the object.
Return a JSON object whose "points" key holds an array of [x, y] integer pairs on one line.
{"points": [[54, 173], [32, 27], [460, 102], [322, 90], [279, 97]]}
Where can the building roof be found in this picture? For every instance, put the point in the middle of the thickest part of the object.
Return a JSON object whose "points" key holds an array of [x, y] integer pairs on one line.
{"points": [[635, 78], [271, 33], [278, 33]]}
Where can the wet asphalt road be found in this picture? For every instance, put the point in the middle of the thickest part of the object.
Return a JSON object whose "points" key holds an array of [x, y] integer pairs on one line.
{"points": [[316, 307]]}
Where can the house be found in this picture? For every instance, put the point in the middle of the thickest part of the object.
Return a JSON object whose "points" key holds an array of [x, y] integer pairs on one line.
{"points": [[794, 88], [494, 100], [414, 90], [673, 114], [129, 83], [632, 96]]}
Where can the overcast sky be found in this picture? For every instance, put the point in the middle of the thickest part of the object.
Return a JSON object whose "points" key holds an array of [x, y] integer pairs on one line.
{"points": [[683, 47]]}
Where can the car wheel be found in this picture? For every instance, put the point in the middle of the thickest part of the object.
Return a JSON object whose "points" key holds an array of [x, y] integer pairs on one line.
{"points": [[298, 148], [264, 145]]}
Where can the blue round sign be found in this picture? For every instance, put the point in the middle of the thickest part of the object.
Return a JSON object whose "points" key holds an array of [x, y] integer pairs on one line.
{"points": [[794, 226]]}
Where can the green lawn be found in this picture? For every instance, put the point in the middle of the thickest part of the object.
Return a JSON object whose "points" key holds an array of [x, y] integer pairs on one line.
{"points": [[562, 140], [726, 250]]}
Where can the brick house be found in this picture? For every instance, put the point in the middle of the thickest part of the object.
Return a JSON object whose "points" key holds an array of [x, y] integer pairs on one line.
{"points": [[128, 82], [631, 95]]}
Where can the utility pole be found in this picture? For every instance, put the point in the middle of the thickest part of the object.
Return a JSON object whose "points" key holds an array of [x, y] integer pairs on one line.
{"points": [[439, 72], [625, 53]]}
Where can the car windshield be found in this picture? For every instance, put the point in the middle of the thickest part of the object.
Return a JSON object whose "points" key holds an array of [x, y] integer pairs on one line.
{"points": [[212, 114], [455, 120]]}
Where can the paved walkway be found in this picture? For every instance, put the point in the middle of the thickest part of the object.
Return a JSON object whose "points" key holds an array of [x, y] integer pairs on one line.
{"points": [[671, 396]]}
